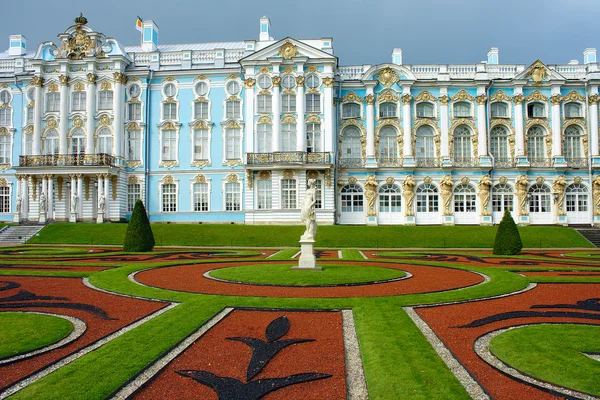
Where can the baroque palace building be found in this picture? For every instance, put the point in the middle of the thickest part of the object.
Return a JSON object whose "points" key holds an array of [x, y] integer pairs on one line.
{"points": [[231, 131]]}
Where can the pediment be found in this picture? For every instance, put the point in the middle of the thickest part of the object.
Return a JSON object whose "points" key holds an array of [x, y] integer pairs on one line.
{"points": [[538, 73], [288, 49]]}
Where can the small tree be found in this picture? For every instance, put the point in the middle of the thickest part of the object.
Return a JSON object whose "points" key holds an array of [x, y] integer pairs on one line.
{"points": [[508, 240], [139, 236]]}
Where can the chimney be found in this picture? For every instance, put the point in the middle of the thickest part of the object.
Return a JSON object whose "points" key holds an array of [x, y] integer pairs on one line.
{"points": [[589, 56], [493, 56], [265, 30], [149, 36], [18, 45], [397, 56]]}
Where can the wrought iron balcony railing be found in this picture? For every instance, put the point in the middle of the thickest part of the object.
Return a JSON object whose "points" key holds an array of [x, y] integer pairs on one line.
{"points": [[66, 160], [389, 162], [288, 157], [464, 162], [539, 162], [576, 162], [351, 162], [427, 162], [504, 162]]}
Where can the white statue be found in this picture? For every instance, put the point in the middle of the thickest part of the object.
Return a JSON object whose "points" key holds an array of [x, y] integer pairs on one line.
{"points": [[43, 203], [19, 202], [307, 212], [101, 204], [74, 201]]}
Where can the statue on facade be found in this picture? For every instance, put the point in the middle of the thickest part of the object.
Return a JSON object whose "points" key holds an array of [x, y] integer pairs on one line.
{"points": [[408, 191], [521, 193], [484, 185], [558, 187], [596, 194], [74, 203], [307, 212], [101, 204], [446, 193], [43, 204], [19, 202], [371, 195]]}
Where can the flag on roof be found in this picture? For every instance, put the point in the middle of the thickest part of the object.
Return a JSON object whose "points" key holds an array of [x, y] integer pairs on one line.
{"points": [[138, 24]]}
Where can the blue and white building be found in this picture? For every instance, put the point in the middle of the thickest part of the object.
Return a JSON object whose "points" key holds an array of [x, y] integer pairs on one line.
{"points": [[230, 132]]}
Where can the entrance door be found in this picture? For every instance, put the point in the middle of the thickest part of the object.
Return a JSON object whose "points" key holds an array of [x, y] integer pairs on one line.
{"points": [[577, 204], [428, 205], [465, 205], [390, 205], [540, 205], [502, 199], [353, 209]]}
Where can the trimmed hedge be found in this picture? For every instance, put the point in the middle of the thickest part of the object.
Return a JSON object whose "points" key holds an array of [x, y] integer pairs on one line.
{"points": [[508, 241], [139, 236]]}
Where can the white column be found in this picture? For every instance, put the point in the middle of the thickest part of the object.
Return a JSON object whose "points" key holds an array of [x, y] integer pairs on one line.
{"points": [[370, 116], [406, 121], [25, 196], [73, 188], [445, 148], [50, 197], [518, 99], [249, 105], [593, 116], [106, 196], [482, 124], [100, 192], [276, 115], [119, 94], [556, 99], [64, 116], [79, 194], [329, 114], [38, 112], [17, 214], [300, 124], [90, 106], [45, 186]]}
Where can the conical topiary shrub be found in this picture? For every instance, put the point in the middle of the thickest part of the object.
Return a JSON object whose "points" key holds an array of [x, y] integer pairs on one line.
{"points": [[139, 236], [508, 241]]}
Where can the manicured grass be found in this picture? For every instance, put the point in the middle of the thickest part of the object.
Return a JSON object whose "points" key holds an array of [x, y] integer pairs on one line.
{"points": [[284, 254], [352, 254], [336, 236], [283, 275], [23, 332], [553, 353]]}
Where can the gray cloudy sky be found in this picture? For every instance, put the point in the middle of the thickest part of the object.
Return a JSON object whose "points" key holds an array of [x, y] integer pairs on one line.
{"points": [[364, 32]]}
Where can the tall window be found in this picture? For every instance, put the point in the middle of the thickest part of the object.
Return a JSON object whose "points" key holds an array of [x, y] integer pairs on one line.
{"points": [[264, 194], [104, 141], [577, 198], [425, 146], [201, 110], [573, 110], [52, 101], [169, 110], [233, 109], [134, 111], [424, 110], [499, 110], [499, 143], [233, 143], [77, 141], [535, 143], [105, 100], [427, 198], [572, 143], [4, 199], [169, 197], [169, 145], [200, 193], [390, 199], [288, 193], [51, 142], [288, 103], [465, 199], [78, 101], [351, 143], [539, 198], [313, 137], [388, 110], [29, 116], [313, 103], [201, 146], [502, 198], [4, 149], [462, 109], [352, 198], [233, 197], [388, 143], [318, 192], [264, 103], [133, 194], [288, 137], [5, 116], [264, 138], [134, 145], [28, 144], [462, 144], [536, 110], [351, 110]]}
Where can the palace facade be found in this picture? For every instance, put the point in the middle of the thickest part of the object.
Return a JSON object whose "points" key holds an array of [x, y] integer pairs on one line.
{"points": [[230, 132]]}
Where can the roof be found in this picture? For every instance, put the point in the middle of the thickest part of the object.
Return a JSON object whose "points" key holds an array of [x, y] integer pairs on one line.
{"points": [[4, 55], [192, 46]]}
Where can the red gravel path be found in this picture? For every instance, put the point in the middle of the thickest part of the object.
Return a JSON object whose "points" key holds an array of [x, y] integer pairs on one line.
{"points": [[445, 322], [561, 273], [83, 268], [188, 278], [215, 354], [124, 310]]}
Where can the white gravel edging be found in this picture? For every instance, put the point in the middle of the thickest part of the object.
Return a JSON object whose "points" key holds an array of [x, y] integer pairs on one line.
{"points": [[356, 383]]}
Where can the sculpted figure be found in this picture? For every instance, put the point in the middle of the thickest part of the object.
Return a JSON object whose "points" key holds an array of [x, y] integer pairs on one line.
{"points": [[558, 186], [521, 193], [101, 204], [446, 193], [74, 203], [371, 195], [19, 202], [596, 194], [43, 203], [307, 212], [484, 194], [408, 191]]}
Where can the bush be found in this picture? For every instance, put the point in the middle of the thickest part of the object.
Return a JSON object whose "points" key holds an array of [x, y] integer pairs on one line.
{"points": [[139, 236], [508, 240]]}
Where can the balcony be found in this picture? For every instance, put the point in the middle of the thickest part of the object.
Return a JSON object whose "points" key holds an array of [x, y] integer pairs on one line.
{"points": [[539, 162], [389, 162], [464, 162], [67, 160], [287, 157], [351, 162], [427, 162], [504, 163], [576, 162]]}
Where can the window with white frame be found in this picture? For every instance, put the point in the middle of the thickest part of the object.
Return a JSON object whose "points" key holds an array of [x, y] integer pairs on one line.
{"points": [[233, 88], [288, 193], [312, 81], [351, 147], [201, 88], [104, 141], [462, 109], [313, 137], [264, 194], [499, 110], [170, 90], [169, 111], [77, 141], [52, 101], [134, 193], [78, 101], [5, 116], [352, 199], [169, 197], [169, 145], [233, 196], [264, 103], [134, 91], [573, 110], [5, 97], [425, 110], [351, 110], [4, 199], [388, 110], [134, 145], [499, 146], [313, 103], [388, 143], [535, 143], [465, 198], [200, 196], [134, 111], [5, 149], [28, 144], [51, 142], [233, 143], [105, 100], [201, 144], [264, 138], [462, 143], [288, 136], [572, 144], [319, 192], [264, 81], [288, 82], [201, 110], [502, 198], [288, 103], [536, 110], [425, 145], [233, 109], [30, 113]]}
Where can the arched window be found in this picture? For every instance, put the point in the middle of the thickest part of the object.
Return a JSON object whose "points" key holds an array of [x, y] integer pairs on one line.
{"points": [[573, 110], [465, 199], [104, 141], [572, 145], [536, 110], [390, 199], [352, 198], [462, 150], [77, 141], [425, 110], [351, 110], [351, 147], [499, 146], [576, 198], [51, 142], [388, 143], [462, 109], [425, 146], [264, 138], [499, 110], [535, 144], [539, 198], [288, 136], [502, 198], [388, 110], [427, 198]]}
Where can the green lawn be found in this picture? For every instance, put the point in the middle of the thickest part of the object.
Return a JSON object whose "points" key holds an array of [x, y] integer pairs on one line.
{"points": [[336, 236]]}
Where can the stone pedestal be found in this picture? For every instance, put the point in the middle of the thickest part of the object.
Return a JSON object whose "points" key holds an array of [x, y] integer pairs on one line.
{"points": [[73, 217], [17, 218], [485, 220], [307, 255], [42, 219], [448, 220], [100, 219]]}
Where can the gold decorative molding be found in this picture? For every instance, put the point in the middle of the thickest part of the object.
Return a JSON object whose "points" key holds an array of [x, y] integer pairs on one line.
{"points": [[519, 98], [77, 122], [288, 50], [37, 81], [313, 118], [232, 178], [198, 78], [4, 131], [52, 87], [407, 98], [51, 124], [593, 98], [249, 83], [444, 100], [536, 95], [79, 86], [388, 97], [200, 178], [86, 180], [133, 180], [574, 95], [92, 78], [288, 119], [328, 178], [596, 194], [312, 174], [201, 124], [120, 78], [105, 120], [249, 178], [390, 180], [538, 72], [64, 80], [500, 96], [352, 180], [276, 81], [300, 81], [481, 99], [232, 76], [232, 163], [264, 119], [168, 164], [170, 79], [133, 126], [312, 69], [463, 95], [106, 85], [328, 82], [3, 182], [370, 99], [133, 164], [425, 96], [387, 77], [167, 179], [351, 97], [232, 124], [556, 99], [264, 175], [200, 163]]}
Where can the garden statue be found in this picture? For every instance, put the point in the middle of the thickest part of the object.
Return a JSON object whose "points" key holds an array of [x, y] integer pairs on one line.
{"points": [[74, 203], [408, 191], [19, 202], [521, 193], [446, 193], [596, 194], [484, 194], [371, 195], [101, 204], [43, 204], [307, 212], [558, 187]]}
